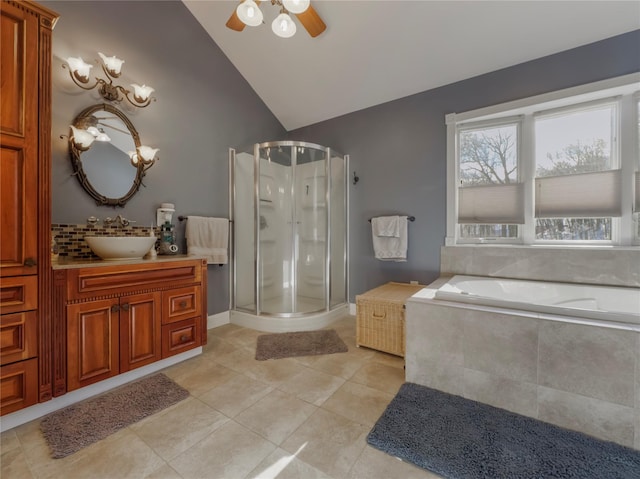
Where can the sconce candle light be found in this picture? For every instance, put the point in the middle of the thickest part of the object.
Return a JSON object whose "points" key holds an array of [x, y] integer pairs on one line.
{"points": [[144, 155], [82, 139], [79, 71]]}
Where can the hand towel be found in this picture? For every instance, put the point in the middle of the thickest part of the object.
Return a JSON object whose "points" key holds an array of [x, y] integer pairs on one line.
{"points": [[208, 237], [391, 248], [386, 226]]}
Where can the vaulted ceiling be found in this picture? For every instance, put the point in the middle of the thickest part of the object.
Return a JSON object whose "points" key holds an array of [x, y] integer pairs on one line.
{"points": [[377, 51]]}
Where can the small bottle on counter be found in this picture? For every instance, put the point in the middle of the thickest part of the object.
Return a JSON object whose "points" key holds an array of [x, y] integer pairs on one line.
{"points": [[152, 254]]}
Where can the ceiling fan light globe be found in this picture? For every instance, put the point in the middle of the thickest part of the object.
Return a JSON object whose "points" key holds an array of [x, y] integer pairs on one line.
{"points": [[249, 13], [296, 6], [283, 26]]}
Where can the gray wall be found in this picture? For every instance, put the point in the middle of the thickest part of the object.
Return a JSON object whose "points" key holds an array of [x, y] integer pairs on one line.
{"points": [[398, 150], [204, 106]]}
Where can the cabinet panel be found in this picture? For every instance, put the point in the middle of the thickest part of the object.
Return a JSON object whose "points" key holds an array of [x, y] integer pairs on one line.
{"points": [[181, 303], [18, 337], [140, 333], [18, 385], [18, 293], [181, 336], [92, 342], [18, 140]]}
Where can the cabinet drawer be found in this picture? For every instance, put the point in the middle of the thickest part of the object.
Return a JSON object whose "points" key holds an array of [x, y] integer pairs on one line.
{"points": [[181, 336], [18, 293], [18, 385], [18, 337], [182, 303], [87, 283]]}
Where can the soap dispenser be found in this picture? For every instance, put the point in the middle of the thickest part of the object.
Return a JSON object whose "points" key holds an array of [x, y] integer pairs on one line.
{"points": [[167, 239]]}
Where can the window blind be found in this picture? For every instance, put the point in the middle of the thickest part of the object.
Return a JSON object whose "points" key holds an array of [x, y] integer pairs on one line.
{"points": [[491, 204], [585, 195]]}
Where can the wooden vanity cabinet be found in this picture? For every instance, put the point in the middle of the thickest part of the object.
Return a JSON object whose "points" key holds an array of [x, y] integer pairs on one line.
{"points": [[119, 318], [25, 204]]}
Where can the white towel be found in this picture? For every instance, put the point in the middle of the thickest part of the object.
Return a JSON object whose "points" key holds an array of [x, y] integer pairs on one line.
{"points": [[208, 237], [386, 226], [390, 248]]}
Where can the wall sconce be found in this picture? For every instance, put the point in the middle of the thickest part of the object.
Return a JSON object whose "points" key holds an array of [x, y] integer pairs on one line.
{"points": [[144, 155], [81, 139], [79, 71]]}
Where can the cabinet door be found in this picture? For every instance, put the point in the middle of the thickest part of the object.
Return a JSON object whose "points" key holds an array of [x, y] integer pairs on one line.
{"points": [[140, 334], [18, 141], [92, 342]]}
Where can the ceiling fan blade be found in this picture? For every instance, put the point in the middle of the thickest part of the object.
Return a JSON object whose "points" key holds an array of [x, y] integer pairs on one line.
{"points": [[312, 21], [234, 23]]}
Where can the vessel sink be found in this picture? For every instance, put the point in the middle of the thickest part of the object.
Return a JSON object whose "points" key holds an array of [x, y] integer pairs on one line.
{"points": [[120, 247]]}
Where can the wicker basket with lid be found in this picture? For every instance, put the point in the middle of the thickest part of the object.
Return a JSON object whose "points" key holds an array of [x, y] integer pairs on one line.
{"points": [[380, 317]]}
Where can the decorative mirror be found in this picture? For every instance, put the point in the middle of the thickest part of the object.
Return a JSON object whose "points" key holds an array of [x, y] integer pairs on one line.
{"points": [[104, 167]]}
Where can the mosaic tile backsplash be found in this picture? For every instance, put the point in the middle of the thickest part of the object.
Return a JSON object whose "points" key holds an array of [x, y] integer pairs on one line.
{"points": [[70, 241]]}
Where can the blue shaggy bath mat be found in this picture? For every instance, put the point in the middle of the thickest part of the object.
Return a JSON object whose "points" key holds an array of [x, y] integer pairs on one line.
{"points": [[463, 439]]}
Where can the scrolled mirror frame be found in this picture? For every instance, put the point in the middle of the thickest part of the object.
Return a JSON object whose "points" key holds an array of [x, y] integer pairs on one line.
{"points": [[76, 161]]}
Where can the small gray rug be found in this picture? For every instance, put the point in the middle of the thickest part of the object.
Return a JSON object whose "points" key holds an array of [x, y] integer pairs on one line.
{"points": [[463, 439], [79, 425], [304, 343]]}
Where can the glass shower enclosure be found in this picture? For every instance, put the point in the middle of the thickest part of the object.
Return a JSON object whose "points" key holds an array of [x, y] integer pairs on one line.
{"points": [[288, 206]]}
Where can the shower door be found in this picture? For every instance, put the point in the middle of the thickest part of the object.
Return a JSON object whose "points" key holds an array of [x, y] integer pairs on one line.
{"points": [[292, 233]]}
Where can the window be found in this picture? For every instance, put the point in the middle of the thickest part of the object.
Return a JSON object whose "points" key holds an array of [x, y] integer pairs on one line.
{"points": [[557, 168], [489, 194], [575, 157]]}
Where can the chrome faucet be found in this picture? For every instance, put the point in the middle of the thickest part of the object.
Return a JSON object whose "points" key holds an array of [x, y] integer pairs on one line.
{"points": [[118, 220]]}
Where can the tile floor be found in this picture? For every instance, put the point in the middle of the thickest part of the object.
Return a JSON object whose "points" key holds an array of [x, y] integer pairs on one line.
{"points": [[304, 418]]}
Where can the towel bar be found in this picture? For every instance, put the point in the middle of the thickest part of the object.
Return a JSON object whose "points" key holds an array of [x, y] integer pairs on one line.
{"points": [[410, 218]]}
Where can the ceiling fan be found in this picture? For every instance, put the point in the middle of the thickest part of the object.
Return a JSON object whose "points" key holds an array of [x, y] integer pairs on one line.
{"points": [[248, 13]]}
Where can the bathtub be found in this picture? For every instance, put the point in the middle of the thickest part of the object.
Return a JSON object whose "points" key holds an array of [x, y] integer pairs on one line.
{"points": [[619, 305], [562, 353]]}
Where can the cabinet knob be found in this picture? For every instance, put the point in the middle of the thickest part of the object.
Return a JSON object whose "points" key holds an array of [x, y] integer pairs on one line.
{"points": [[125, 307], [30, 262], [182, 304], [184, 338], [115, 308]]}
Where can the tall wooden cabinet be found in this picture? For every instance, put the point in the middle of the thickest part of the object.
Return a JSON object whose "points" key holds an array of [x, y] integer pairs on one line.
{"points": [[25, 204]]}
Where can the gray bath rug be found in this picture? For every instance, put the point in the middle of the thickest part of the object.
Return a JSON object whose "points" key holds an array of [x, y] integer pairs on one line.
{"points": [[305, 343], [79, 425], [463, 439]]}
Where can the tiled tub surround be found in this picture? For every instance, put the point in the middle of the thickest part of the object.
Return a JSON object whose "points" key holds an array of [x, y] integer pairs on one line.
{"points": [[619, 266], [578, 376], [70, 237]]}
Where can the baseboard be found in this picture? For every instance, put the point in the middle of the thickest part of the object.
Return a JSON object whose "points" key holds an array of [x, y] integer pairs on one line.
{"points": [[352, 309], [215, 320]]}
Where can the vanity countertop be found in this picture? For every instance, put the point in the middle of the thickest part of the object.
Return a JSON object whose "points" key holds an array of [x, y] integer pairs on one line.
{"points": [[64, 262]]}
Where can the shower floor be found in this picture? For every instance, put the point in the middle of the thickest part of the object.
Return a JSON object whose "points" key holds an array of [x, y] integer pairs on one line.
{"points": [[284, 304]]}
